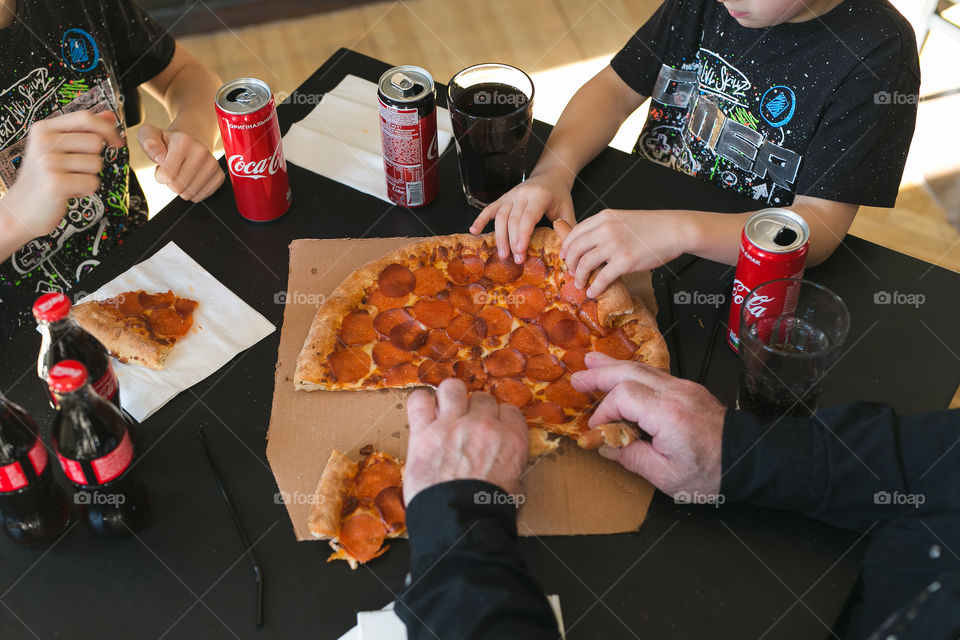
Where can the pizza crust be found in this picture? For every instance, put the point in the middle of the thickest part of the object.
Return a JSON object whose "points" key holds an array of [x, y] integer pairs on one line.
{"points": [[337, 477], [127, 340]]}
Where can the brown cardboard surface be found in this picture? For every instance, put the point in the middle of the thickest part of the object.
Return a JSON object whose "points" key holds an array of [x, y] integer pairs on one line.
{"points": [[569, 492]]}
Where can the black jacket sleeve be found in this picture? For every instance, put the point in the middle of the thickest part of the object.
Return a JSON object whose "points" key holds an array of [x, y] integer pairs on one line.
{"points": [[468, 579], [850, 466]]}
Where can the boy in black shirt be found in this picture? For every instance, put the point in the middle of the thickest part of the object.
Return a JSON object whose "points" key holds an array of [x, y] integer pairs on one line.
{"points": [[808, 105], [67, 192]]}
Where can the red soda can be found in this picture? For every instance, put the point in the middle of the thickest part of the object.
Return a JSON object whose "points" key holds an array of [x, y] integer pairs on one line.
{"points": [[773, 245], [408, 132], [251, 139]]}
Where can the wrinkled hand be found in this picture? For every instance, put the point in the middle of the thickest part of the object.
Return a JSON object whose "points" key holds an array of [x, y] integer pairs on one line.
{"points": [[620, 242], [184, 164], [455, 437], [683, 418], [516, 213], [62, 160]]}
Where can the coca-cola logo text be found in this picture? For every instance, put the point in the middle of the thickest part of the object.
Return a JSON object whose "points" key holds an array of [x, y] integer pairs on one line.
{"points": [[757, 305], [51, 302], [256, 169]]}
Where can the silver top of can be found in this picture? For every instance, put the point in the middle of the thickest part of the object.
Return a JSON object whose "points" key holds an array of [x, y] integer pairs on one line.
{"points": [[777, 230], [406, 83], [243, 95]]}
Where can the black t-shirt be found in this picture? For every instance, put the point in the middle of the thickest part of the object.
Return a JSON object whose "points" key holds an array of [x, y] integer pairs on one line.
{"points": [[823, 108], [56, 58]]}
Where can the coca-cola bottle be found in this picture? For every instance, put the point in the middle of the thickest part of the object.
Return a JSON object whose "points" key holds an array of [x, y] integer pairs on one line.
{"points": [[93, 443], [63, 339], [35, 509]]}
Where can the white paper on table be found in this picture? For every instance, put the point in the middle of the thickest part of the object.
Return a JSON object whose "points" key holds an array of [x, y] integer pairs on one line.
{"points": [[340, 137], [384, 624], [223, 326]]}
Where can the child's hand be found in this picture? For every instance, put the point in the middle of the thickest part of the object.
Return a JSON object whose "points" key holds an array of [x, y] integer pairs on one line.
{"points": [[184, 163], [62, 160], [517, 212], [626, 241]]}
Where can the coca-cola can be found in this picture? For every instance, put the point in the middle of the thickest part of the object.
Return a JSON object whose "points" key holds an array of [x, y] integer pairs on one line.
{"points": [[408, 133], [773, 245], [254, 151]]}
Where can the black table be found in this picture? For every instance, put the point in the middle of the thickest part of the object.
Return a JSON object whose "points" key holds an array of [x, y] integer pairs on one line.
{"points": [[736, 571]]}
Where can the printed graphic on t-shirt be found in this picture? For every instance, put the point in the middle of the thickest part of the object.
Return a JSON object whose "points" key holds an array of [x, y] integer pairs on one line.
{"points": [[705, 120]]}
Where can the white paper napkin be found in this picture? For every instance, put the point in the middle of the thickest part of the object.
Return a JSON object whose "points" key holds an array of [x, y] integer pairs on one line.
{"points": [[223, 326], [340, 137], [384, 624]]}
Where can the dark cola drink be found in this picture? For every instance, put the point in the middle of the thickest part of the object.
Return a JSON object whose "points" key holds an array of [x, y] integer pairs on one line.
{"points": [[63, 339], [35, 509], [492, 121], [767, 392], [96, 452]]}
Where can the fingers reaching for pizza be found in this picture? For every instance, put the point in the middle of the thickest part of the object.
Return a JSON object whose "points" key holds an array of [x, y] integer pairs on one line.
{"points": [[684, 420], [455, 436]]}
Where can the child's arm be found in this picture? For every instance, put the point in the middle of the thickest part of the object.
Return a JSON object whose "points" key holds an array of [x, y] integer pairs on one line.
{"points": [[629, 241], [585, 128], [182, 151]]}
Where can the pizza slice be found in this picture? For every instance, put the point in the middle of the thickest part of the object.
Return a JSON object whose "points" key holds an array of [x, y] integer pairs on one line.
{"points": [[449, 307], [357, 506], [138, 327]]}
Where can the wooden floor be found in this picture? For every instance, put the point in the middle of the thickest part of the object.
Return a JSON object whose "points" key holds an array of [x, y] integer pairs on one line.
{"points": [[539, 35]]}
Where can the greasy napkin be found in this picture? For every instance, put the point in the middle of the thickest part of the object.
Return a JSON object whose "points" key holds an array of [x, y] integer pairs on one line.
{"points": [[570, 492], [223, 326], [340, 137]]}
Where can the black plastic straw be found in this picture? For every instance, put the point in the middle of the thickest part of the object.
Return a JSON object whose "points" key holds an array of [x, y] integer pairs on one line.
{"points": [[254, 562]]}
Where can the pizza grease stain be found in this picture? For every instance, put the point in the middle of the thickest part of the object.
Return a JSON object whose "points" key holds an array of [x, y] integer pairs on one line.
{"points": [[399, 405], [397, 434], [313, 271]]}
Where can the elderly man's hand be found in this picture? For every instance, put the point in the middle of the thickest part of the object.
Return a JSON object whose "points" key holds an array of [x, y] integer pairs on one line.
{"points": [[683, 418], [456, 436]]}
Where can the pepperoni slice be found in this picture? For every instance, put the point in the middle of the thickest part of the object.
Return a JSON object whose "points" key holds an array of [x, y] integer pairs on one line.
{"points": [[551, 316], [616, 345], [402, 375], [562, 393], [512, 392], [375, 477], [156, 300], [588, 316], [168, 323], [387, 320], [430, 281], [362, 535], [534, 271], [433, 373], [390, 505], [569, 334], [387, 354], [350, 365], [467, 329], [570, 292], [471, 372], [505, 363], [433, 313], [544, 367], [409, 336], [499, 321], [573, 358], [357, 328], [469, 298], [465, 269], [383, 302], [501, 271], [439, 346], [529, 340], [396, 281], [546, 411], [185, 306], [527, 301]]}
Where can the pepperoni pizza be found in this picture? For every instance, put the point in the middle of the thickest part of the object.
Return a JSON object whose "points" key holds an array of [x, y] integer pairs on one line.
{"points": [[448, 306], [357, 506]]}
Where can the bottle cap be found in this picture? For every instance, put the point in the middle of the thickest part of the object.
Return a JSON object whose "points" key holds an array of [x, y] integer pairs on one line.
{"points": [[67, 376], [51, 307]]}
